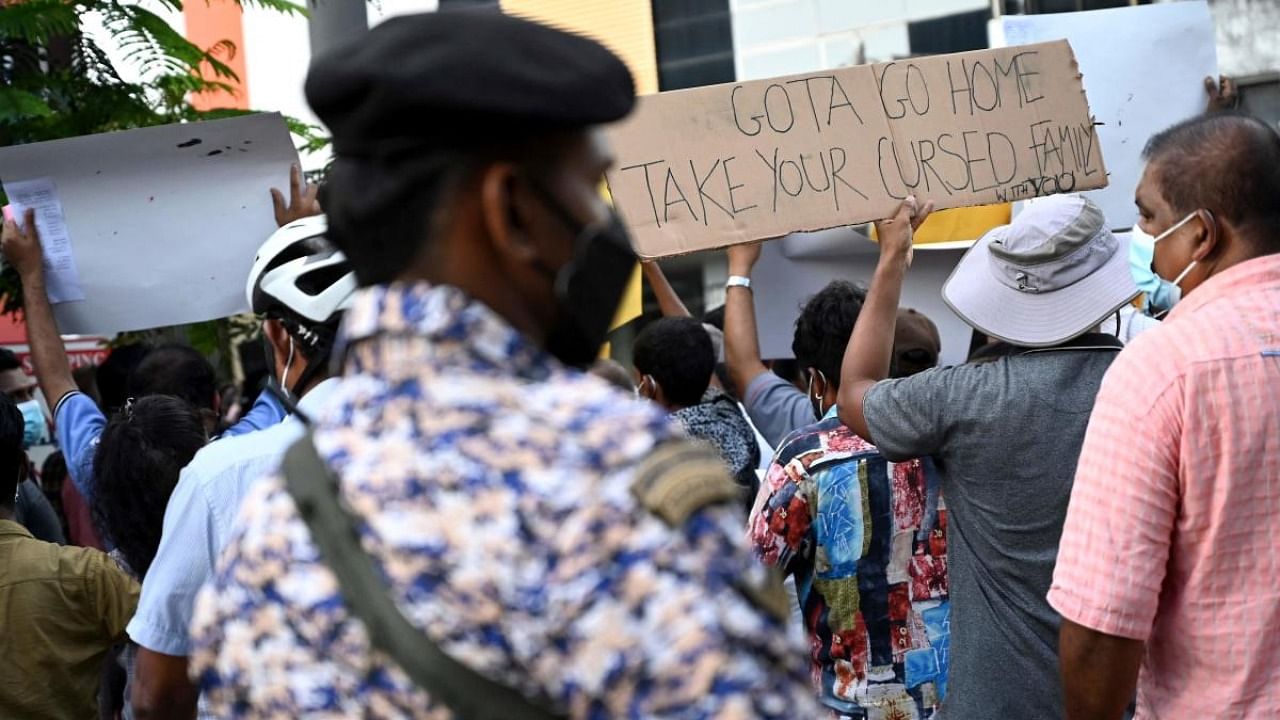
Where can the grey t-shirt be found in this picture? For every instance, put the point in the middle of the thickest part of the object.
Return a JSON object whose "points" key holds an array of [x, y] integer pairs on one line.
{"points": [[1005, 437], [776, 407]]}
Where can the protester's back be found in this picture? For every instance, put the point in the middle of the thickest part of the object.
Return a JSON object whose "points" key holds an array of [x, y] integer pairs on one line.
{"points": [[1005, 436], [63, 607], [1017, 426]]}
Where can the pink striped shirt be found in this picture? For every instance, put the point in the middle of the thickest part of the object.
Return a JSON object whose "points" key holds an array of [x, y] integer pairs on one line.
{"points": [[1173, 529]]}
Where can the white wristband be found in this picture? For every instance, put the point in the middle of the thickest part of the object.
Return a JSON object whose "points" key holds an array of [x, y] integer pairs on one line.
{"points": [[738, 281]]}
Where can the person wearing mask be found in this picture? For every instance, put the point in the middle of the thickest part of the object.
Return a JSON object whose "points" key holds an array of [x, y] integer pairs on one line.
{"points": [[175, 370], [864, 539], [674, 363], [1165, 579], [141, 451], [534, 529], [1004, 434], [21, 389], [671, 305], [300, 285], [774, 404], [64, 606], [34, 511]]}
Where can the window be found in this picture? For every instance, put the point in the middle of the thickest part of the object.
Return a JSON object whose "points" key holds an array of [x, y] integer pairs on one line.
{"points": [[948, 34], [694, 41]]}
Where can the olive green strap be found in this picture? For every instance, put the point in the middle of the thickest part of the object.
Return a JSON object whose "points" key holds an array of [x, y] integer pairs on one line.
{"points": [[466, 692]]}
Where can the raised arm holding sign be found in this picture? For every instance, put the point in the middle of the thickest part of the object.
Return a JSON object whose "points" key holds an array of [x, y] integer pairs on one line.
{"points": [[720, 165]]}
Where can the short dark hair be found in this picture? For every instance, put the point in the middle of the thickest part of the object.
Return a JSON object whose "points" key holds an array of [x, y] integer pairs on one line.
{"points": [[176, 370], [1226, 163], [9, 360], [136, 466], [677, 352], [13, 459], [112, 376], [824, 327]]}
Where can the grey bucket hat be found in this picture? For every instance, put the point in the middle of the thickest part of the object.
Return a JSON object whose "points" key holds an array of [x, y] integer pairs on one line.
{"points": [[1052, 274]]}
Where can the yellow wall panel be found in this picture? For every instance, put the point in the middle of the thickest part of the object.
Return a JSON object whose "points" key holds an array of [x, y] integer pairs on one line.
{"points": [[623, 26]]}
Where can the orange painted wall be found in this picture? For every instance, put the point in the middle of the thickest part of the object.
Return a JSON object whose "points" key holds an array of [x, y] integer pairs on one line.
{"points": [[209, 22]]}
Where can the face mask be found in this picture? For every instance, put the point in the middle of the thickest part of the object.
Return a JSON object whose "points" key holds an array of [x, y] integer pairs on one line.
{"points": [[1162, 294], [35, 431], [589, 287]]}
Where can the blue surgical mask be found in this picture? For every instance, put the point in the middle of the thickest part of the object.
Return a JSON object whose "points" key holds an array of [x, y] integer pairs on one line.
{"points": [[35, 431], [1162, 294]]}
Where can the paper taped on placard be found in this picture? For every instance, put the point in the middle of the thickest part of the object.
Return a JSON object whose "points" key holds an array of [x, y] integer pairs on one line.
{"points": [[161, 223], [41, 195], [714, 166]]}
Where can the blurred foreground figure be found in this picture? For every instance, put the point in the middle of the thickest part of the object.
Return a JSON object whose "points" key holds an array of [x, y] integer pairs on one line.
{"points": [[540, 544]]}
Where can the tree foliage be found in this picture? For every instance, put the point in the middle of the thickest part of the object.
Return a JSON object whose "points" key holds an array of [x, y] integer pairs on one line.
{"points": [[57, 79]]}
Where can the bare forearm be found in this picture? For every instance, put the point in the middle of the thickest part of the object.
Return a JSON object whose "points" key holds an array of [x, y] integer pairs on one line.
{"points": [[48, 354], [869, 355], [161, 689], [668, 301], [1099, 672], [741, 343]]}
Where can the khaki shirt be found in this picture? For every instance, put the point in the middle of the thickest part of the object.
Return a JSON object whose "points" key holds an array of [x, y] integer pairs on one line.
{"points": [[62, 609]]}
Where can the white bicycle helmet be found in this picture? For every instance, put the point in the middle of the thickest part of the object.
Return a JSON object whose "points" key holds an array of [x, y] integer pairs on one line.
{"points": [[297, 271]]}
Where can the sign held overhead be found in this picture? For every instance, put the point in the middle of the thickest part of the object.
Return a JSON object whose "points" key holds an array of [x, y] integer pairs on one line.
{"points": [[726, 164]]}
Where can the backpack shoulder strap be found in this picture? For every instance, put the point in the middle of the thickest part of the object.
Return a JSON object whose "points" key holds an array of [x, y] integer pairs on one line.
{"points": [[333, 528]]}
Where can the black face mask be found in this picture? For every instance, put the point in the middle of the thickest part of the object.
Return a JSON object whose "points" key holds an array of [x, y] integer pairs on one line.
{"points": [[589, 287]]}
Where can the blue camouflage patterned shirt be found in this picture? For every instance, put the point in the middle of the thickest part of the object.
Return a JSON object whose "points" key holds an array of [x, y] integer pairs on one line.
{"points": [[494, 489]]}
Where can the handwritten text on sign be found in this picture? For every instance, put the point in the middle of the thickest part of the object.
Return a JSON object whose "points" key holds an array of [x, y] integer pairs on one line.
{"points": [[725, 164]]}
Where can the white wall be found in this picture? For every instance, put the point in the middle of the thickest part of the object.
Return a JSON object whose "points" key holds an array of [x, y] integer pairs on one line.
{"points": [[278, 53], [1248, 35], [780, 37]]}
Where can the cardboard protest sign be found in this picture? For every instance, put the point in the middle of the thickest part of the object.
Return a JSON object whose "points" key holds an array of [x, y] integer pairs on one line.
{"points": [[162, 223], [715, 166], [1143, 69]]}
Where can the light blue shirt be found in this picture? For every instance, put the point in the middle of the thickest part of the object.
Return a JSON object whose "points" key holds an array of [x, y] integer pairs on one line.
{"points": [[198, 521], [79, 424]]}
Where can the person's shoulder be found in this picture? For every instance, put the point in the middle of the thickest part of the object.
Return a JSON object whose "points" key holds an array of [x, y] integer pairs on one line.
{"points": [[81, 564], [76, 403], [828, 438], [266, 512], [1158, 354], [586, 405], [232, 454]]}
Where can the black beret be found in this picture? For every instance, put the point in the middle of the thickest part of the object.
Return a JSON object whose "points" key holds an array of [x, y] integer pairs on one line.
{"points": [[442, 79]]}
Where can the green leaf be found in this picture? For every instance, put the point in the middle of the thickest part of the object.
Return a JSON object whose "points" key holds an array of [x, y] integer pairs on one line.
{"points": [[35, 21], [280, 6], [79, 91], [204, 336], [18, 105]]}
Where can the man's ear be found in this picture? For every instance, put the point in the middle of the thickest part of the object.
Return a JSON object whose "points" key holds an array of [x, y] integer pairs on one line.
{"points": [[278, 339], [658, 394], [505, 212], [1207, 244]]}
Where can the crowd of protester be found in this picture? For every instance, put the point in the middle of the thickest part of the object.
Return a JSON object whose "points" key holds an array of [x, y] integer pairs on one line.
{"points": [[444, 504]]}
